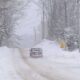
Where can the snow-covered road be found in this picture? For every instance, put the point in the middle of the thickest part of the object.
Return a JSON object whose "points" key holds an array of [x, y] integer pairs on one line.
{"points": [[16, 64], [13, 67], [24, 69], [56, 64]]}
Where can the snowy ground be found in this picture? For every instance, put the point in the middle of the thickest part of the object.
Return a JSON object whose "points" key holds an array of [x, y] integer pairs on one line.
{"points": [[56, 64], [7, 71], [13, 67]]}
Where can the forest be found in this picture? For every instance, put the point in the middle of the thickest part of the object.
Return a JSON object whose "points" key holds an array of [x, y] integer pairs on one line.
{"points": [[39, 39], [25, 23]]}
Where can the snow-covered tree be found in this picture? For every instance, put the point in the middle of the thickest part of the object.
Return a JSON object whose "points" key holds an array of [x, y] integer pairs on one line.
{"points": [[62, 21], [10, 11]]}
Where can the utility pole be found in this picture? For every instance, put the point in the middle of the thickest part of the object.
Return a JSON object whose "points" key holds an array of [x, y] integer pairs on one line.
{"points": [[43, 25], [66, 25], [78, 8]]}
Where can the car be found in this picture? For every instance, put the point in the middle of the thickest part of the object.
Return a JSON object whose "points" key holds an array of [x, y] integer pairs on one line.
{"points": [[36, 52]]}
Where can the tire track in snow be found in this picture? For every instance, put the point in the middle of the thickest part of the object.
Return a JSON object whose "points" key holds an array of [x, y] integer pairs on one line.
{"points": [[22, 51], [24, 70]]}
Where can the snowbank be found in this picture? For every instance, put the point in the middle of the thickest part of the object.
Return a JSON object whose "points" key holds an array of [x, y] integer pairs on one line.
{"points": [[7, 71]]}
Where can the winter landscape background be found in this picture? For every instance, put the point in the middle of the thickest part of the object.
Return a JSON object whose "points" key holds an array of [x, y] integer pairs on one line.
{"points": [[25, 23], [53, 26]]}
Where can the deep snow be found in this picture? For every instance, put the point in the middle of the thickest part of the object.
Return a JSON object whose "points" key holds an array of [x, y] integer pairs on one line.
{"points": [[7, 71], [56, 64]]}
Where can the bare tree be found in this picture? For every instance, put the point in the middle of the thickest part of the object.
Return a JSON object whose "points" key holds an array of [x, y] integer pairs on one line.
{"points": [[78, 17]]}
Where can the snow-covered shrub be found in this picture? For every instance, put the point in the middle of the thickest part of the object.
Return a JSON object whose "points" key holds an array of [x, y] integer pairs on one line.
{"points": [[71, 42]]}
